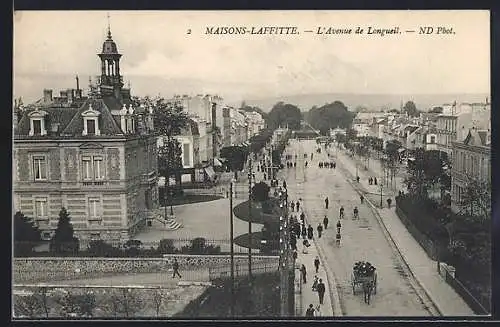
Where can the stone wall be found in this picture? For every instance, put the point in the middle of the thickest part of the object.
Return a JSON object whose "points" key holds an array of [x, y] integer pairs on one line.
{"points": [[30, 270]]}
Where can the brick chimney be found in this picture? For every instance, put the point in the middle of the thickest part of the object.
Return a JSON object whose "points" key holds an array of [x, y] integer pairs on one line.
{"points": [[47, 96]]}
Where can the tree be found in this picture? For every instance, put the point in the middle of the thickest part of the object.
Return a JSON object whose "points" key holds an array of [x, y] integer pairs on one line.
{"points": [[78, 305], [236, 156], [29, 306], [126, 303], [477, 199], [63, 239], [331, 115], [260, 192], [169, 119], [411, 109], [416, 169], [436, 110], [26, 234], [166, 246], [284, 114]]}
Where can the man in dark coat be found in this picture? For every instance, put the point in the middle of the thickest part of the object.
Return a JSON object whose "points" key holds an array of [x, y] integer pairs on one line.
{"points": [[303, 274], [297, 205], [326, 202], [320, 230], [304, 231], [325, 222], [316, 263], [175, 267], [310, 311], [310, 231], [321, 291]]}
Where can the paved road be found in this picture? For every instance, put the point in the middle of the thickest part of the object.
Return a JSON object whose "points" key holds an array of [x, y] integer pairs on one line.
{"points": [[362, 239]]}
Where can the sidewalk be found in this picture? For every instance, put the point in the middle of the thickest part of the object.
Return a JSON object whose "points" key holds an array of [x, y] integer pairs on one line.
{"points": [[423, 268], [307, 295]]}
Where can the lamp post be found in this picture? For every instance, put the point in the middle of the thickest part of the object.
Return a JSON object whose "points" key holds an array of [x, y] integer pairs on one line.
{"points": [[250, 223], [232, 245], [381, 202]]}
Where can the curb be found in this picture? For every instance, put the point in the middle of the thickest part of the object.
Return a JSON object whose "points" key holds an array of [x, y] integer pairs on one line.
{"points": [[380, 221]]}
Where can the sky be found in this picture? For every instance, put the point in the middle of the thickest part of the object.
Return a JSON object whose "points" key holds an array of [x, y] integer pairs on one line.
{"points": [[160, 57]]}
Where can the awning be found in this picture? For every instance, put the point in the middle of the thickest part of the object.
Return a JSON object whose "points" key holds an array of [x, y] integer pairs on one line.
{"points": [[217, 162], [210, 172]]}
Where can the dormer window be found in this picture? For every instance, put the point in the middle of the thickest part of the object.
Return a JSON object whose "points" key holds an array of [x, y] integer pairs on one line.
{"points": [[37, 122], [91, 122]]}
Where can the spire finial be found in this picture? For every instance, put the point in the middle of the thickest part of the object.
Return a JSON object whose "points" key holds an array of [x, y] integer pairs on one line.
{"points": [[109, 28]]}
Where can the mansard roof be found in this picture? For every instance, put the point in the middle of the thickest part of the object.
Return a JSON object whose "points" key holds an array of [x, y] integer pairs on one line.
{"points": [[69, 118]]}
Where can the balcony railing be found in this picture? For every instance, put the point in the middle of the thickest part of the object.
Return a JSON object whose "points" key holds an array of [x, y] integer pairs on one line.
{"points": [[93, 183]]}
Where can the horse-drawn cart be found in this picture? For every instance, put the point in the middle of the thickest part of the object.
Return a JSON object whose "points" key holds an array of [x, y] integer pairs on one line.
{"points": [[364, 274]]}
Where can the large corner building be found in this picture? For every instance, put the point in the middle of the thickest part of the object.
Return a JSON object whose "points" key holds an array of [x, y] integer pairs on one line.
{"points": [[95, 155]]}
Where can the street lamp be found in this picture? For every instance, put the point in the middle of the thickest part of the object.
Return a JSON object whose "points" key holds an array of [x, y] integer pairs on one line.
{"points": [[232, 245], [250, 173]]}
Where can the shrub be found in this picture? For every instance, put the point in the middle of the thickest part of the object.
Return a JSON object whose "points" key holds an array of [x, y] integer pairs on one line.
{"points": [[199, 246], [166, 246]]}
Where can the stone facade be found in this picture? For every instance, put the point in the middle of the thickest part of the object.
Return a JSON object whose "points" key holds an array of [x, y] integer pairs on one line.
{"points": [[27, 270], [95, 155]]}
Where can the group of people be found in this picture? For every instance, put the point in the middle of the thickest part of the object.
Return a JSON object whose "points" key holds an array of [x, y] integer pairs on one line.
{"points": [[372, 180], [327, 165]]}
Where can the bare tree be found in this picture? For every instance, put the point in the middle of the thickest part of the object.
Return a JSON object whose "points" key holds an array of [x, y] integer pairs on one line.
{"points": [[158, 300], [78, 305], [28, 306]]}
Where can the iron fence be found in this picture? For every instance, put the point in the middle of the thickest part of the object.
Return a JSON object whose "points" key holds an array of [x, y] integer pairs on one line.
{"points": [[241, 269]]}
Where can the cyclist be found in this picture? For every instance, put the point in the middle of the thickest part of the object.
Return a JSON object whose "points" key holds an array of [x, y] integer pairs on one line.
{"points": [[356, 213], [341, 211]]}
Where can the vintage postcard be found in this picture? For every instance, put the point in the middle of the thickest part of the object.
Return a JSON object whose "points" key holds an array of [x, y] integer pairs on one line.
{"points": [[251, 164]]}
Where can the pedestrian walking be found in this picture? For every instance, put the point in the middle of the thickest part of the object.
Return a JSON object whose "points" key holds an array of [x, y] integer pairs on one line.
{"points": [[341, 210], [326, 202], [265, 176], [311, 156], [303, 274], [319, 229], [294, 254], [305, 246], [293, 242], [310, 232], [334, 165], [389, 201], [310, 311], [297, 205], [315, 283], [321, 291], [325, 222], [284, 184], [357, 179], [304, 231], [302, 217], [355, 213], [375, 180], [316, 263], [362, 198], [295, 164], [306, 164], [292, 205], [338, 237], [175, 267], [370, 181]]}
